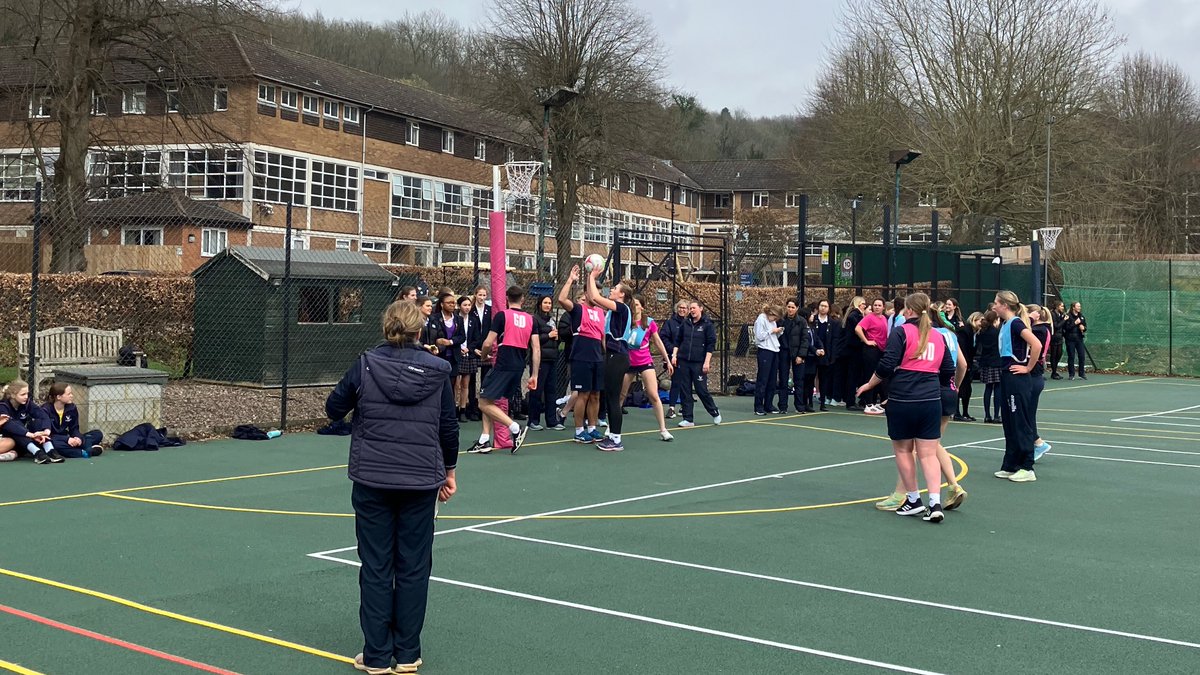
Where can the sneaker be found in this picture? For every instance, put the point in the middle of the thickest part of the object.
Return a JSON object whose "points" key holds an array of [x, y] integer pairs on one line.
{"points": [[1041, 450], [824, 408], [359, 665], [956, 499], [987, 420], [671, 413], [686, 423], [1023, 476], [536, 427], [933, 514], [595, 435], [55, 458], [1003, 474], [717, 420], [760, 413], [891, 502], [873, 409], [40, 457], [563, 400], [1083, 377], [1056, 376], [666, 435], [583, 437], [604, 423], [97, 450], [558, 427], [969, 418], [624, 411], [781, 411], [9, 456], [911, 508], [519, 440], [478, 448], [407, 667], [609, 445], [853, 408], [958, 418], [996, 420], [1071, 378]]}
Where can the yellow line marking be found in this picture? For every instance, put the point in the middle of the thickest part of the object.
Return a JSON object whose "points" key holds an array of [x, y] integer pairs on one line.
{"points": [[833, 431], [18, 669], [235, 509], [171, 485], [178, 617]]}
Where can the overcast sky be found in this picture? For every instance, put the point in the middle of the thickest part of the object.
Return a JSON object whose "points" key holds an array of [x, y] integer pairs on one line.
{"points": [[762, 56]]}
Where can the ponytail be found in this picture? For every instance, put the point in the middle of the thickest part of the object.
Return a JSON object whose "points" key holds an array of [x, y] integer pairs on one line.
{"points": [[918, 303]]}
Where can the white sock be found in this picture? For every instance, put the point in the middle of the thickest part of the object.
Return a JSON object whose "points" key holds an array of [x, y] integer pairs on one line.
{"points": [[484, 438], [914, 496], [616, 437], [47, 446], [590, 428], [514, 428], [578, 430], [33, 448], [935, 498]]}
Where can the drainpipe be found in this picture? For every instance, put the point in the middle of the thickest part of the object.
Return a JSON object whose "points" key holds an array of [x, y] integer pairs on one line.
{"points": [[362, 185]]}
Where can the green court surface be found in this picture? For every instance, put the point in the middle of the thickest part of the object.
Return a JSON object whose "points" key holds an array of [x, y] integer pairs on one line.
{"points": [[747, 548]]}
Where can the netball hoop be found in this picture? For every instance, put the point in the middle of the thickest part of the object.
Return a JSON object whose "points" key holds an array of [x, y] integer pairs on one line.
{"points": [[1046, 239], [520, 179], [1048, 236]]}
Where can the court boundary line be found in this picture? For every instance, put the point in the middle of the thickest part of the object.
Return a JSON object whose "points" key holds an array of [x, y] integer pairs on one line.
{"points": [[1142, 419], [1103, 459], [1126, 447], [18, 669], [848, 591]]}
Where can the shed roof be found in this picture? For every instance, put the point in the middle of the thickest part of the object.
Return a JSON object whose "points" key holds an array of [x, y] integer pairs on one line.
{"points": [[268, 263]]}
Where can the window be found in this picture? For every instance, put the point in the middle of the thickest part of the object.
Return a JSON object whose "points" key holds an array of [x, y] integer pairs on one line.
{"points": [[331, 109], [18, 176], [667, 190], [220, 97], [448, 141], [373, 246], [266, 94], [722, 200], [334, 186], [173, 102], [928, 199], [453, 203], [412, 135], [616, 181], [480, 149], [510, 155], [206, 174], [632, 184], [147, 236], [213, 241], [372, 174], [351, 114], [341, 244], [313, 306], [453, 255], [349, 305], [99, 105], [289, 99], [649, 188], [760, 200], [117, 174], [133, 100], [39, 104], [412, 198], [604, 181], [299, 243], [792, 200], [683, 195], [280, 178], [310, 105]]}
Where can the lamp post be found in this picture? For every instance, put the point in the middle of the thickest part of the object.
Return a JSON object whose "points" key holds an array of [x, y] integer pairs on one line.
{"points": [[557, 99]]}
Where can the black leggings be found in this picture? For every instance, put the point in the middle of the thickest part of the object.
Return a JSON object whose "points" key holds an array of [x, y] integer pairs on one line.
{"points": [[1056, 350], [615, 367], [810, 379], [1075, 351], [964, 395], [991, 401], [870, 360]]}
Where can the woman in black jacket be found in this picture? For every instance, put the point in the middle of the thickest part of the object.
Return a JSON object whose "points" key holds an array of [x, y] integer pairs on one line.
{"points": [[967, 335], [1058, 320], [850, 366], [468, 356], [403, 450], [1074, 329], [788, 323], [541, 400], [804, 376], [987, 351], [825, 329]]}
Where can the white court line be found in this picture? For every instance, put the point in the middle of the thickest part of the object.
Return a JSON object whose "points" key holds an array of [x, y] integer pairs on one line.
{"points": [[658, 622], [1125, 447], [1140, 419], [1105, 459], [1165, 424], [850, 591]]}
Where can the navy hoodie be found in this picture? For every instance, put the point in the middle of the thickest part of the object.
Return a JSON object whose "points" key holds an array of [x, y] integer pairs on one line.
{"points": [[404, 433], [24, 419], [69, 426]]}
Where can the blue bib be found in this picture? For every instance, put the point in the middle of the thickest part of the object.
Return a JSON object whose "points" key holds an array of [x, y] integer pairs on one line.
{"points": [[1006, 342], [951, 343]]}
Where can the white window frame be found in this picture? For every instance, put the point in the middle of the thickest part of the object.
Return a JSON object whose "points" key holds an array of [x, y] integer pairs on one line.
{"points": [[448, 141], [220, 98], [289, 171], [481, 149], [173, 102], [299, 242], [289, 99], [211, 173], [19, 176], [39, 104], [412, 134], [604, 181], [792, 200], [332, 109], [375, 174], [126, 231], [632, 184], [722, 200], [213, 240], [683, 196], [315, 108], [99, 105], [267, 94], [351, 114], [373, 247], [510, 155], [760, 199], [650, 189], [341, 244], [326, 192], [412, 197], [136, 171], [133, 100]]}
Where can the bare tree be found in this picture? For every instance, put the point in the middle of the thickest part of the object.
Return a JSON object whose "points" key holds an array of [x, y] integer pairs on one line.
{"points": [[78, 54], [607, 51], [760, 238]]}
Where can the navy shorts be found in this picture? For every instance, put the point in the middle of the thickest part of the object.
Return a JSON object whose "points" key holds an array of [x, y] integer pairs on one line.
{"points": [[638, 370], [914, 419], [587, 376], [949, 402], [501, 384]]}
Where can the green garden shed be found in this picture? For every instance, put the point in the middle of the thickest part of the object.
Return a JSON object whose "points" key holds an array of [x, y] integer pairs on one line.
{"points": [[336, 305]]}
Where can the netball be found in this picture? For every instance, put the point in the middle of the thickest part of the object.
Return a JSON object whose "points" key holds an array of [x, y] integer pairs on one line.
{"points": [[593, 261]]}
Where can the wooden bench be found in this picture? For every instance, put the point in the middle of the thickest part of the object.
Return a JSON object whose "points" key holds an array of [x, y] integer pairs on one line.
{"points": [[69, 346]]}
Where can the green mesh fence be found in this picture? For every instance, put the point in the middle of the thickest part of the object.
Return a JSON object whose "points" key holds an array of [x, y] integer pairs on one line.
{"points": [[1143, 316]]}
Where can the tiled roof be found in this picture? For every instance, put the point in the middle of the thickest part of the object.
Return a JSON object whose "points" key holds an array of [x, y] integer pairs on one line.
{"points": [[268, 263], [742, 174], [165, 205]]}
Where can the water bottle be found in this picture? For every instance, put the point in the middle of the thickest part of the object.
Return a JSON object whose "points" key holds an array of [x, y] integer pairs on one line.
{"points": [[274, 433]]}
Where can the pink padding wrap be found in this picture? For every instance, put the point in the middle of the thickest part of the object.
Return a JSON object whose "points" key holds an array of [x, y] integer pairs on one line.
{"points": [[497, 256]]}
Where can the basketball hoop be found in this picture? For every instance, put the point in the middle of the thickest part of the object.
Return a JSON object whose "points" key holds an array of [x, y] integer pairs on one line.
{"points": [[1049, 237], [520, 177]]}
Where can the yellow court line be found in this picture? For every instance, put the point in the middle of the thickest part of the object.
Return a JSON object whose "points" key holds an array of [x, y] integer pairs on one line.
{"points": [[204, 481], [21, 670], [234, 509], [178, 617], [834, 431]]}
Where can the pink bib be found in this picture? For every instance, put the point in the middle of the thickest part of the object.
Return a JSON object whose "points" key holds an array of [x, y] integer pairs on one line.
{"points": [[929, 361]]}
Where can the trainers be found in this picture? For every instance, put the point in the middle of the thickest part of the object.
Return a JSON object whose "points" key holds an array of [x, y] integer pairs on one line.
{"points": [[666, 436], [933, 514], [609, 445], [1071, 378], [1003, 474], [873, 409], [478, 448], [717, 420], [604, 422], [1023, 476], [760, 413], [563, 400], [359, 665], [583, 437], [1041, 450], [956, 499], [9, 456], [911, 508], [1082, 376], [536, 427], [958, 418], [558, 427], [40, 457], [519, 440], [686, 423], [891, 502], [595, 435], [407, 667], [97, 450], [671, 413], [55, 458]]}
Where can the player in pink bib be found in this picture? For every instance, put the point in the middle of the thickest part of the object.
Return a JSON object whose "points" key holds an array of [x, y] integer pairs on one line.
{"points": [[513, 330]]}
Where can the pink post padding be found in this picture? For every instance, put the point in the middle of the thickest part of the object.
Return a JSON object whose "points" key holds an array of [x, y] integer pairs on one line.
{"points": [[498, 257]]}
